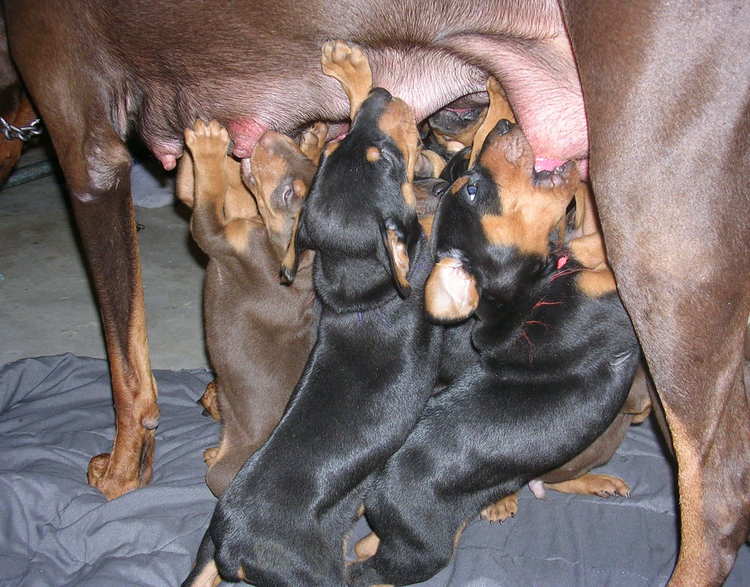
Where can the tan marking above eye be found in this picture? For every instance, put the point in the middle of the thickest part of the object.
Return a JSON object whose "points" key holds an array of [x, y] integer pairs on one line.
{"points": [[372, 154]]}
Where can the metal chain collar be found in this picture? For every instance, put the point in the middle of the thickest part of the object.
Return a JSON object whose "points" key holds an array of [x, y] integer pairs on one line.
{"points": [[21, 133]]}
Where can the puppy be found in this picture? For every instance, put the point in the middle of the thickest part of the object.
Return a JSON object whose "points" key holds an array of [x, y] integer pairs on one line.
{"points": [[450, 130], [258, 332], [283, 519], [557, 357]]}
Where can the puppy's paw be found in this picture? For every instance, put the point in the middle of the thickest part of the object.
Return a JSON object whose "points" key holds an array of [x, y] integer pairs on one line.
{"points": [[313, 140], [367, 547], [210, 401], [606, 486], [501, 510], [210, 455], [207, 140], [590, 484]]}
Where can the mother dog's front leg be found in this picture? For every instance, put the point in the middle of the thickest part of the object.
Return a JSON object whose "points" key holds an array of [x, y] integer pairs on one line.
{"points": [[103, 209], [96, 165]]}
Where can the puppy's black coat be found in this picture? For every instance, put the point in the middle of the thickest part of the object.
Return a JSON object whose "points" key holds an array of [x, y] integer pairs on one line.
{"points": [[284, 518], [555, 365]]}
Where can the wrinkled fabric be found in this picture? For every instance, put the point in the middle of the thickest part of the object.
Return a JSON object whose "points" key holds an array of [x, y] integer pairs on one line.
{"points": [[56, 412]]}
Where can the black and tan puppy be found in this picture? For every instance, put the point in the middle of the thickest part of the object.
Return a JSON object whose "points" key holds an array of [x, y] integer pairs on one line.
{"points": [[450, 130], [283, 519], [258, 332], [557, 357]]}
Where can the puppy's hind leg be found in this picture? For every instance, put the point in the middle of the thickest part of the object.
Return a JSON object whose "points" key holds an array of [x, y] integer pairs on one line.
{"points": [[591, 484]]}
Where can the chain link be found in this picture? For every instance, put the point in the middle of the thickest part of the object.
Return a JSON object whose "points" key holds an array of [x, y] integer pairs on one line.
{"points": [[21, 133]]}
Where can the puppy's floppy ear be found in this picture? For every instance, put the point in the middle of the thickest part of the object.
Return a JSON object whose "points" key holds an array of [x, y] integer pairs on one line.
{"points": [[290, 262], [398, 255], [297, 245]]}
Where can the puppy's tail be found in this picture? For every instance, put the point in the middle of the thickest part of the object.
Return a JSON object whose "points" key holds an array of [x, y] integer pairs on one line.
{"points": [[204, 573]]}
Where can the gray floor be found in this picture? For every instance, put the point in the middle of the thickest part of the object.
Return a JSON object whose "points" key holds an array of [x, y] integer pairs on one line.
{"points": [[46, 305]]}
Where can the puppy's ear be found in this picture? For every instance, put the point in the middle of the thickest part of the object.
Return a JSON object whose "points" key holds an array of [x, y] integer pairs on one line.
{"points": [[498, 110], [429, 164], [398, 255], [290, 262], [451, 293], [246, 173]]}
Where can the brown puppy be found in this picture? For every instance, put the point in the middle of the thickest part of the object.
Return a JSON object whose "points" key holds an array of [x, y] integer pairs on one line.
{"points": [[258, 331]]}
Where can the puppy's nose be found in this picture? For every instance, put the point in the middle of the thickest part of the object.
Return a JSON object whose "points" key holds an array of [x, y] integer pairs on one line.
{"points": [[287, 275]]}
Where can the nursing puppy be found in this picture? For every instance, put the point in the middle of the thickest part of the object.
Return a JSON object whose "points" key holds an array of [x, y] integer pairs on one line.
{"points": [[557, 358], [258, 332], [283, 519]]}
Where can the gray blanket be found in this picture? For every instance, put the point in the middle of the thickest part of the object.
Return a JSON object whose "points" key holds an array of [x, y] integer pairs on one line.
{"points": [[56, 412]]}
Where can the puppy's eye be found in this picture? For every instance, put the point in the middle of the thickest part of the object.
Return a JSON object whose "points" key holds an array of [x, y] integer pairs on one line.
{"points": [[471, 192], [286, 197]]}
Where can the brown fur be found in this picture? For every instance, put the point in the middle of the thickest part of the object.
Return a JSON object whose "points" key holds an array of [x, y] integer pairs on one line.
{"points": [[95, 72], [258, 331], [673, 206]]}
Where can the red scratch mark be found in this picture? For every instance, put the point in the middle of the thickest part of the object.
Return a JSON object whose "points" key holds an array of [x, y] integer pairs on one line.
{"points": [[541, 303], [564, 272], [525, 336]]}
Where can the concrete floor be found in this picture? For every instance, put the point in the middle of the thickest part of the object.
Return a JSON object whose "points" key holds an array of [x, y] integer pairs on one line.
{"points": [[46, 304]]}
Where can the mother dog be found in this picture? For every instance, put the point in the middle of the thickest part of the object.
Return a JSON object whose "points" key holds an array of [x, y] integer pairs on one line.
{"points": [[666, 90]]}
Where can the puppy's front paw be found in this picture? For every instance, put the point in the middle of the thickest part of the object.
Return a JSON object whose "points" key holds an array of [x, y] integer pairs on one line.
{"points": [[207, 140], [313, 140]]}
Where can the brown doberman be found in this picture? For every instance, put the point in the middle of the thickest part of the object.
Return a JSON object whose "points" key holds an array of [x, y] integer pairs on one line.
{"points": [[666, 93], [258, 331]]}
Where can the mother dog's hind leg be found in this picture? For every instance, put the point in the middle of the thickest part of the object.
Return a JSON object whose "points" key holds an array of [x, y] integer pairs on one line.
{"points": [[668, 127]]}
